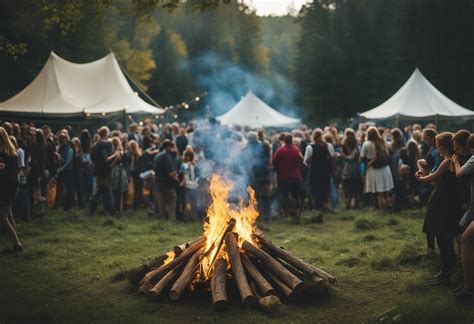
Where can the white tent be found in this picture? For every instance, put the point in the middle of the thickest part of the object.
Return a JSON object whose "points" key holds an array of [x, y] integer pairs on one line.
{"points": [[418, 98], [65, 88], [253, 112]]}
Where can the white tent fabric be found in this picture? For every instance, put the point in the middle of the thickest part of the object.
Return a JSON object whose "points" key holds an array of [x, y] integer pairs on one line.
{"points": [[417, 98], [251, 111], [64, 88]]}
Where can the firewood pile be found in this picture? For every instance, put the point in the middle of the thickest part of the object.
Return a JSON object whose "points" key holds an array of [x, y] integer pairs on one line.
{"points": [[230, 253]]}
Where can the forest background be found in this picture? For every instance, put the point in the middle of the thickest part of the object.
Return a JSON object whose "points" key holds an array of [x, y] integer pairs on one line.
{"points": [[325, 63]]}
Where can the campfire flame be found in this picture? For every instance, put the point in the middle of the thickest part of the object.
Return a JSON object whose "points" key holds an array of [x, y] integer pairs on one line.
{"points": [[170, 257], [220, 215]]}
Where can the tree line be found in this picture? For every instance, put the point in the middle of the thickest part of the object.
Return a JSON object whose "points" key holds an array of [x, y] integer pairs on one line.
{"points": [[339, 56]]}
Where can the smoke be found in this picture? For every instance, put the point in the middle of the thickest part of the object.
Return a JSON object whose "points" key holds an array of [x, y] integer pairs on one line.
{"points": [[227, 82]]}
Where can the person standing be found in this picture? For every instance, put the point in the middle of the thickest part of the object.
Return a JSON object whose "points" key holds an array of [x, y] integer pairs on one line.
{"points": [[351, 177], [444, 207], [166, 180], [286, 162], [103, 172], [78, 171], [65, 170], [255, 165], [318, 157], [378, 177], [119, 177], [134, 155], [181, 141], [466, 171], [9, 187]]}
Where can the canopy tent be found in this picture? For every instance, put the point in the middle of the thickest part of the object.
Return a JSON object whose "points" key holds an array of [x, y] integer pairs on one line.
{"points": [[63, 88], [251, 111], [418, 99]]}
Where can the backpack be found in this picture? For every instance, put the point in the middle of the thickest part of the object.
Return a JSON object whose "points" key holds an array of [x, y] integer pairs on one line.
{"points": [[382, 159]]}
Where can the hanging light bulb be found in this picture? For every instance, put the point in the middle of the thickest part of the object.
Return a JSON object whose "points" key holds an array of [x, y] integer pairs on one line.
{"points": [[175, 116], [197, 99], [103, 114], [186, 106]]}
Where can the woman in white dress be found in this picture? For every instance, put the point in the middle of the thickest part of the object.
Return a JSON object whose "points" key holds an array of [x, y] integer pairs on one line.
{"points": [[378, 177]]}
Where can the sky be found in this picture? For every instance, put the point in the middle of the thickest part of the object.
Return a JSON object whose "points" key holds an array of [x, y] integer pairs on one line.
{"points": [[274, 7]]}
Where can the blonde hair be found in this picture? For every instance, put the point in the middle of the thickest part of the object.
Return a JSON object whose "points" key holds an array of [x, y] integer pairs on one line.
{"points": [[7, 144], [116, 144], [317, 137], [134, 148]]}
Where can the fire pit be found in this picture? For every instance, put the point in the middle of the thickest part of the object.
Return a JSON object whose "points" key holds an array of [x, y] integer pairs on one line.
{"points": [[231, 248]]}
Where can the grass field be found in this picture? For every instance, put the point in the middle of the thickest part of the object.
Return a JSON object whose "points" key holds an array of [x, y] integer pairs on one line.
{"points": [[68, 271]]}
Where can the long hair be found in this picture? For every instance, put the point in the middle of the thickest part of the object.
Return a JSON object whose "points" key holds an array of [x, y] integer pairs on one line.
{"points": [[77, 142], [7, 144], [413, 151], [116, 144], [349, 142], [373, 136], [317, 137], [135, 149]]}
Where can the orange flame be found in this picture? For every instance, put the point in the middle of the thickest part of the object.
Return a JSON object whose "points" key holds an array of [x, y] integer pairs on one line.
{"points": [[170, 257], [219, 214]]}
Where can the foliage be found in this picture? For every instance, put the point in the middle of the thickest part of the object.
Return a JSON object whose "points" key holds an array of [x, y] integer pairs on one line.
{"points": [[353, 55]]}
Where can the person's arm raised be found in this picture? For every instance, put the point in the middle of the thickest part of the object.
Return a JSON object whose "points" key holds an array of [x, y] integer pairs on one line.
{"points": [[433, 177]]}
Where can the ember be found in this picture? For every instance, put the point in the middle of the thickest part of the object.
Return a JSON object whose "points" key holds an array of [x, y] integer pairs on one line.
{"points": [[232, 248]]}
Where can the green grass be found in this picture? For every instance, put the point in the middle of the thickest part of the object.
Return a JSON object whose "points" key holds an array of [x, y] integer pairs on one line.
{"points": [[68, 271]]}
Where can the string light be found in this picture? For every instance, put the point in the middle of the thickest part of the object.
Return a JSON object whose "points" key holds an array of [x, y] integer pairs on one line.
{"points": [[103, 114]]}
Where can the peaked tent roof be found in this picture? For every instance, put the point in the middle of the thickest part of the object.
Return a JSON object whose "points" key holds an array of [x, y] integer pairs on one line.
{"points": [[253, 112], [417, 98], [63, 88]]}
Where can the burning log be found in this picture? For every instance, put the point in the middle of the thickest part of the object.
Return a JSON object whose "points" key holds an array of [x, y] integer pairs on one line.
{"points": [[308, 269], [263, 285], [155, 275], [238, 270], [218, 285], [186, 277], [293, 282], [259, 269]]}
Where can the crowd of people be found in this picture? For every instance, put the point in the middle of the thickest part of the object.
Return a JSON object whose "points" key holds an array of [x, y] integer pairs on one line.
{"points": [[167, 170]]}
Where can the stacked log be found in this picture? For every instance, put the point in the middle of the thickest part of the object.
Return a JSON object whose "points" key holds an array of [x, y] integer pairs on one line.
{"points": [[260, 270]]}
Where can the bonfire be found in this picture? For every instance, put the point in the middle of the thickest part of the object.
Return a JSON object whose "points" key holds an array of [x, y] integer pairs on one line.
{"points": [[231, 250]]}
